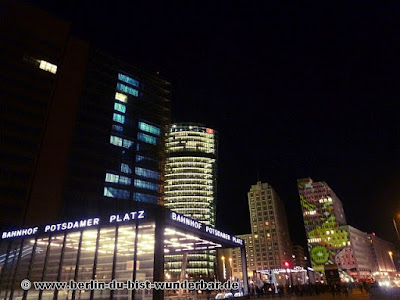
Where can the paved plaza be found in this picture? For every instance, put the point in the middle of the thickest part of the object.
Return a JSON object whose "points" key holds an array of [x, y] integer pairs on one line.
{"points": [[378, 294]]}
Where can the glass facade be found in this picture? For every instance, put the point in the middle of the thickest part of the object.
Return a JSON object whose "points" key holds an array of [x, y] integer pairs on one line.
{"points": [[104, 254], [191, 187], [121, 247], [140, 179]]}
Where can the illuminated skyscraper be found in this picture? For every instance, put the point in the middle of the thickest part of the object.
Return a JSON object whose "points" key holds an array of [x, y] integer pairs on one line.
{"points": [[268, 246], [190, 186], [323, 219], [82, 131]]}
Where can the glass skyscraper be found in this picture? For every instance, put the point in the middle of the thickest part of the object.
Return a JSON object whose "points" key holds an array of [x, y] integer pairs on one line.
{"points": [[190, 187], [84, 131]]}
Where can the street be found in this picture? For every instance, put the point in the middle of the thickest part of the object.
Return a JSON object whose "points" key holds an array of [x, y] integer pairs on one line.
{"points": [[378, 294]]}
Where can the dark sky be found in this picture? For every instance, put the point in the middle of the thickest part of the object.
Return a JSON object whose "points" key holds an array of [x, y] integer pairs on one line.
{"points": [[305, 89]]}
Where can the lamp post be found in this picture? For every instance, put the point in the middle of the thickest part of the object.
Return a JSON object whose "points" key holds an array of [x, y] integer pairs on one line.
{"points": [[230, 266], [223, 266], [396, 228]]}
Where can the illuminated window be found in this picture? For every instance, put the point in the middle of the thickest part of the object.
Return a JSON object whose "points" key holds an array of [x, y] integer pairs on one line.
{"points": [[146, 173], [147, 138], [120, 107], [116, 193], [127, 89], [127, 144], [44, 65], [126, 168], [119, 118], [114, 178], [146, 185], [128, 80], [149, 128], [140, 197], [121, 97], [115, 140]]}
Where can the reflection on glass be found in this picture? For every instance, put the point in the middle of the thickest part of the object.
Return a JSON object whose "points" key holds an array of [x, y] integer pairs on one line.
{"points": [[9, 267], [105, 256], [145, 258], [86, 260], [38, 264], [124, 260]]}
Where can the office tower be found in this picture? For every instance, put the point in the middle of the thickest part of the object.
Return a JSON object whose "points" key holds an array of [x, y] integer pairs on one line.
{"points": [[357, 259], [383, 262], [269, 227], [299, 256], [190, 187], [268, 246], [323, 215], [83, 132]]}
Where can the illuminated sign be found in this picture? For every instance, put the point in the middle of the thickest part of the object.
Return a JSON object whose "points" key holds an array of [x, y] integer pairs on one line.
{"points": [[20, 232], [72, 225], [209, 130], [127, 216], [186, 221], [206, 228]]}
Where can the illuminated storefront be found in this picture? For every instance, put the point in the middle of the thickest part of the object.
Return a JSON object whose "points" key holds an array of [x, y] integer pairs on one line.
{"points": [[190, 188], [127, 246]]}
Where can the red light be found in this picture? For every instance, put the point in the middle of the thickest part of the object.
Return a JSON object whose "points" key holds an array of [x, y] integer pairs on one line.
{"points": [[209, 130], [373, 233], [286, 263]]}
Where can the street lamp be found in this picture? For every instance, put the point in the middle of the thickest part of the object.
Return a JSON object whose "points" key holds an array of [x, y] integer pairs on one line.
{"points": [[395, 225], [391, 257], [224, 266], [230, 265]]}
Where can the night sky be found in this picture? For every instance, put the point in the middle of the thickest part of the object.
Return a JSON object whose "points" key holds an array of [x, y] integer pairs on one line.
{"points": [[295, 90]]}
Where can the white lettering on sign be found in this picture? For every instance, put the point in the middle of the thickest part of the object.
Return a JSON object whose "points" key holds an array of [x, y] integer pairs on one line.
{"points": [[237, 240], [72, 225], [218, 233], [127, 216], [186, 221], [20, 232]]}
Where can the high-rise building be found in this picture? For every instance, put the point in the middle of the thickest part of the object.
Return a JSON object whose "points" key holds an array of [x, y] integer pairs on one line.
{"points": [[190, 187], [383, 253], [82, 132], [323, 217], [268, 247], [299, 256]]}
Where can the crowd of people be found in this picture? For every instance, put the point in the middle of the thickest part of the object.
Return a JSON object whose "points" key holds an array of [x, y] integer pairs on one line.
{"points": [[268, 289]]}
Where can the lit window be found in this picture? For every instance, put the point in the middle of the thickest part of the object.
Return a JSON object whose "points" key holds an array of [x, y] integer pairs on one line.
{"points": [[121, 97], [127, 144], [119, 118], [140, 197], [146, 185], [115, 140], [120, 107], [128, 80], [149, 128], [146, 173], [127, 89], [116, 193], [140, 158], [147, 138], [118, 179], [126, 169], [44, 65]]}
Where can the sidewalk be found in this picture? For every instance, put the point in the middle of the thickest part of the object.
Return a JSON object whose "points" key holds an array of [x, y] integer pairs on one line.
{"points": [[356, 295]]}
